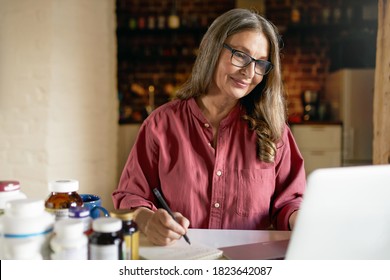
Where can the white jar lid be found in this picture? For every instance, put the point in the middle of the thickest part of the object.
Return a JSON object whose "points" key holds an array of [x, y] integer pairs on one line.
{"points": [[69, 228], [9, 186], [64, 186], [107, 224], [27, 207]]}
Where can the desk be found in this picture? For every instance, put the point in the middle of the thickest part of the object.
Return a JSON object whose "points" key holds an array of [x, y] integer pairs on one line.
{"points": [[225, 237], [217, 238]]}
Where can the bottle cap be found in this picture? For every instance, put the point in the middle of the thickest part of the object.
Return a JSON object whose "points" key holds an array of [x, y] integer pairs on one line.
{"points": [[107, 224], [123, 214], [27, 207], [69, 228], [8, 186], [64, 186]]}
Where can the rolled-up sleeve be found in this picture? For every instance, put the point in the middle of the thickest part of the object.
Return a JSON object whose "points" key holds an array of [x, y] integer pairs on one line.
{"points": [[139, 174]]}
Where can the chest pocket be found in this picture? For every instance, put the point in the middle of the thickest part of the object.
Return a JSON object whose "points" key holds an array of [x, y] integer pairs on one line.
{"points": [[254, 191]]}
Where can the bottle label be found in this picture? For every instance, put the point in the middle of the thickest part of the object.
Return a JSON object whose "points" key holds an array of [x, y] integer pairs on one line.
{"points": [[41, 239], [127, 247], [104, 252], [135, 246], [60, 214], [71, 254]]}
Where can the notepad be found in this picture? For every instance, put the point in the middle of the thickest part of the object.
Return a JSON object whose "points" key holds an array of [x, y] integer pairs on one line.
{"points": [[180, 251]]}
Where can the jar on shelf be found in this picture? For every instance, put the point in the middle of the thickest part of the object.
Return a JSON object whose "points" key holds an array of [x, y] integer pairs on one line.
{"points": [[63, 196]]}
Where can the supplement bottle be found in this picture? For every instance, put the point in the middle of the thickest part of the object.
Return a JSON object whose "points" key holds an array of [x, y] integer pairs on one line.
{"points": [[9, 190], [69, 241], [106, 240], [26, 225], [130, 233], [25, 249], [82, 213], [63, 196]]}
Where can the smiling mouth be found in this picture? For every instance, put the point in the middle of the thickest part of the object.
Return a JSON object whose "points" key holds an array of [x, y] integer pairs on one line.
{"points": [[240, 83]]}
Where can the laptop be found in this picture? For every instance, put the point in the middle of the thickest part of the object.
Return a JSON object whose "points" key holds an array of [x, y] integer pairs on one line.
{"points": [[269, 250], [345, 215]]}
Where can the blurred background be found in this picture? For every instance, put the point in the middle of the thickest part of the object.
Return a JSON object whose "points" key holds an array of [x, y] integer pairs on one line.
{"points": [[78, 77]]}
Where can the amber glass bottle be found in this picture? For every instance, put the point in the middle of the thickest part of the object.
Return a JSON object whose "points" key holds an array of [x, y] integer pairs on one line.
{"points": [[63, 196]]}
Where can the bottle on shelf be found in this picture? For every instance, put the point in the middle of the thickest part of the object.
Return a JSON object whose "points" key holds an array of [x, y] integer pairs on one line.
{"points": [[174, 19], [295, 13]]}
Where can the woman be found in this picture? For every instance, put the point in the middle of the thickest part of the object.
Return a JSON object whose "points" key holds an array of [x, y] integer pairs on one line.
{"points": [[221, 153]]}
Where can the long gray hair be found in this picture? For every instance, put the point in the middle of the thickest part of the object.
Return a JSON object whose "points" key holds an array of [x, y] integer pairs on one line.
{"points": [[265, 105]]}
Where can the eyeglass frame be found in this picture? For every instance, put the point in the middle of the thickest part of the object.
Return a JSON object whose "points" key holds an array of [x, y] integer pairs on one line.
{"points": [[268, 65]]}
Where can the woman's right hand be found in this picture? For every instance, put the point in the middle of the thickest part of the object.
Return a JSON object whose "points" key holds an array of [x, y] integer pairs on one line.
{"points": [[159, 227]]}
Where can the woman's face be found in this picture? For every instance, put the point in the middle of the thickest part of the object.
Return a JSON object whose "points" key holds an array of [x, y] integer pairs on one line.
{"points": [[233, 81]]}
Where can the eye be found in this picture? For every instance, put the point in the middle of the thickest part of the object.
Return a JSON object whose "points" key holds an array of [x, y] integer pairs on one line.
{"points": [[261, 65], [240, 55]]}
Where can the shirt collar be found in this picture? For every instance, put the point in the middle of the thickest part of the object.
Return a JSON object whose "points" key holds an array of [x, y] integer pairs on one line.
{"points": [[229, 119]]}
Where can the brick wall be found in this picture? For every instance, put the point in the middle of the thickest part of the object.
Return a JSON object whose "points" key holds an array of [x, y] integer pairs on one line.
{"points": [[58, 103], [306, 59], [154, 54], [316, 41]]}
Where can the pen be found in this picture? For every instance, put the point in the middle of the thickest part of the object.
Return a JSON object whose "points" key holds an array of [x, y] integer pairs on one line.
{"points": [[166, 207]]}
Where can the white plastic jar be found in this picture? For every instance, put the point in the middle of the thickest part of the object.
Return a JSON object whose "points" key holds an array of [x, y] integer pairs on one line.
{"points": [[25, 249], [69, 241], [9, 190], [26, 219]]}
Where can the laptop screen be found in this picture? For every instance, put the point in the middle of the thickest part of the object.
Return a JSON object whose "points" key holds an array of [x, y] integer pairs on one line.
{"points": [[345, 214]]}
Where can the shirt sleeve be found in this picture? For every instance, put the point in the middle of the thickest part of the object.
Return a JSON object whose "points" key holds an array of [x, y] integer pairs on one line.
{"points": [[140, 173], [290, 181]]}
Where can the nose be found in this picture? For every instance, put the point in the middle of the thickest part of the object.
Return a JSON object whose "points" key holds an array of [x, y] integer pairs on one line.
{"points": [[249, 70]]}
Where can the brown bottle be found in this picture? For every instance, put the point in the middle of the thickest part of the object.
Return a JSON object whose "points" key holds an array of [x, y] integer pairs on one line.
{"points": [[63, 196]]}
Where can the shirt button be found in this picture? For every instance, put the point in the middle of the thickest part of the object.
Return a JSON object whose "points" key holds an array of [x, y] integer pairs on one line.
{"points": [[219, 173], [206, 125], [216, 205]]}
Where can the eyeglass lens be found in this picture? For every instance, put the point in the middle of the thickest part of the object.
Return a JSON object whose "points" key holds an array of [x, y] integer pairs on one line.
{"points": [[241, 59]]}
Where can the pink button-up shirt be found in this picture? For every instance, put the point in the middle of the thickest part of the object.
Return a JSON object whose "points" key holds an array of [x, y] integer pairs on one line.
{"points": [[223, 188]]}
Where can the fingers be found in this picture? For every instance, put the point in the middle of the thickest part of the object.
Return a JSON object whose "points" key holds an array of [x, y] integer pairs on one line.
{"points": [[183, 221], [162, 229]]}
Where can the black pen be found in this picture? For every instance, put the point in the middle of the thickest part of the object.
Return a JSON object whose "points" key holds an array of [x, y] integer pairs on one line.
{"points": [[166, 207]]}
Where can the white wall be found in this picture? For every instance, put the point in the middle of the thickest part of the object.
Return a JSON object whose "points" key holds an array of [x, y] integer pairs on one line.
{"points": [[58, 104], [126, 138]]}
